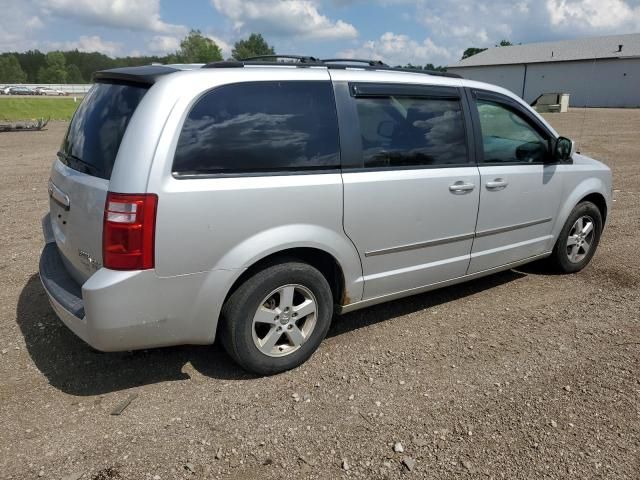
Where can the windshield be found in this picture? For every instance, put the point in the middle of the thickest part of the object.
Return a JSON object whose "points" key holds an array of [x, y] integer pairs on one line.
{"points": [[96, 130]]}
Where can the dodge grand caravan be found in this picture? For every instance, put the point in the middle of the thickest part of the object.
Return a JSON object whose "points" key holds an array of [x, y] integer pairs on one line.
{"points": [[251, 200]]}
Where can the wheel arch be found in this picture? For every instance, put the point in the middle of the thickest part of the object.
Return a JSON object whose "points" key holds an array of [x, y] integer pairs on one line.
{"points": [[320, 259], [599, 201], [324, 261], [326, 249], [592, 189]]}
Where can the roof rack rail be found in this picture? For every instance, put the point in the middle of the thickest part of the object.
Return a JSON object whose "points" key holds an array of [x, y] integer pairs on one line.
{"points": [[386, 68], [434, 73], [371, 63], [331, 63], [266, 61], [300, 58], [224, 64]]}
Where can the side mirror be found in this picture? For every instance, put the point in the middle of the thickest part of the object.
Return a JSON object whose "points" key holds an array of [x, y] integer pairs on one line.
{"points": [[563, 149]]}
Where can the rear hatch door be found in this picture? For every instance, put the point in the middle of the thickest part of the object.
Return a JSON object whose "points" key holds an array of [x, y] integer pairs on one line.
{"points": [[80, 177]]}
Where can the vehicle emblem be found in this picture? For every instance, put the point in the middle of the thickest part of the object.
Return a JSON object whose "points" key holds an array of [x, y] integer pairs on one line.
{"points": [[89, 261]]}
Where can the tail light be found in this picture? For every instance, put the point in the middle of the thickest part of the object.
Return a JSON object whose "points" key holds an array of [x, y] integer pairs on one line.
{"points": [[128, 234]]}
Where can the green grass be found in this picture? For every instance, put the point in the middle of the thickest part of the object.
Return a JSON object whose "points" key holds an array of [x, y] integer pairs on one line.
{"points": [[27, 108]]}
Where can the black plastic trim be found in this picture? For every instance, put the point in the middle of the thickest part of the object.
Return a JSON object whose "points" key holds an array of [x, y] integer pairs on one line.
{"points": [[402, 90], [276, 173], [469, 129], [249, 63], [348, 127], [225, 64], [371, 63], [433, 73], [58, 283], [331, 63], [300, 58], [408, 167], [477, 144], [500, 164]]}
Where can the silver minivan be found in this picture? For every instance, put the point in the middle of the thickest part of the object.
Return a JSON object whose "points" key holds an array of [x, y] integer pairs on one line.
{"points": [[252, 200]]}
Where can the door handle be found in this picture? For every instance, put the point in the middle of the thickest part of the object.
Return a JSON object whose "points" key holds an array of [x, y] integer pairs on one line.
{"points": [[59, 196], [497, 184], [461, 187]]}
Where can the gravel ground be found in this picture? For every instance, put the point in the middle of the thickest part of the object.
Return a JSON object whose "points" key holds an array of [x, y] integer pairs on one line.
{"points": [[519, 375]]}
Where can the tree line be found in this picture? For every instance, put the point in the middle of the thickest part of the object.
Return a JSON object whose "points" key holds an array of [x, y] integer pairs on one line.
{"points": [[471, 51], [73, 66]]}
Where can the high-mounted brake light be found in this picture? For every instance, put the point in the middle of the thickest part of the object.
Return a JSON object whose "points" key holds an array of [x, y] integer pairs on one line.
{"points": [[128, 234]]}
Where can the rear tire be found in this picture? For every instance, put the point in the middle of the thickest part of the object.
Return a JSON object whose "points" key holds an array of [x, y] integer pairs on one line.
{"points": [[578, 239], [277, 318]]}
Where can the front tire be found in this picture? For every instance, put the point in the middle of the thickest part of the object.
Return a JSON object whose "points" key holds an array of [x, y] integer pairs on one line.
{"points": [[578, 239], [277, 318]]}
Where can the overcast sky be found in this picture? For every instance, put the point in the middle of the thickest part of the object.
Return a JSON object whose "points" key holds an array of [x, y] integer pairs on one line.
{"points": [[396, 31]]}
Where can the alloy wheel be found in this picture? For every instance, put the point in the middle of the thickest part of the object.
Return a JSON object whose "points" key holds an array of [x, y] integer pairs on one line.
{"points": [[284, 320], [580, 239]]}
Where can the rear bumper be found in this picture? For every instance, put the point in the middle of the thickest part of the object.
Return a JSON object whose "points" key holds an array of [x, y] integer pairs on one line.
{"points": [[65, 295], [130, 310]]}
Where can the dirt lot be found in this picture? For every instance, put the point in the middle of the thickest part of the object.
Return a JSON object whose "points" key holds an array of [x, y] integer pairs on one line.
{"points": [[522, 375]]}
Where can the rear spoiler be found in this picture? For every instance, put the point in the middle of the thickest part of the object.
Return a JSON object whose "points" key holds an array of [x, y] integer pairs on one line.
{"points": [[142, 76]]}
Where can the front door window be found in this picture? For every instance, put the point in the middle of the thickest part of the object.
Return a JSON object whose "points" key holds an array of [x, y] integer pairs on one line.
{"points": [[508, 138]]}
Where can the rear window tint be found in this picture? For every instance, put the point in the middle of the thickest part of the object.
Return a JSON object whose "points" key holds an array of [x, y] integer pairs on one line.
{"points": [[260, 127], [94, 135]]}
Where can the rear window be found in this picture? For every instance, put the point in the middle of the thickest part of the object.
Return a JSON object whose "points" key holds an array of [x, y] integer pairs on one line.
{"points": [[94, 135], [260, 127]]}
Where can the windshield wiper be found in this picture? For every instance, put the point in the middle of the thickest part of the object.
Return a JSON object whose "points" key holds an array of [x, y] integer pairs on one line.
{"points": [[68, 158]]}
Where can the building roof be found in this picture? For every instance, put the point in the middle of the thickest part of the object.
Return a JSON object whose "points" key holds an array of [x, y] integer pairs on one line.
{"points": [[562, 51]]}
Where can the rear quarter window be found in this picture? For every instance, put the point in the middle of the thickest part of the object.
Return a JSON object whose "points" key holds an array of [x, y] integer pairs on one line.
{"points": [[260, 127]]}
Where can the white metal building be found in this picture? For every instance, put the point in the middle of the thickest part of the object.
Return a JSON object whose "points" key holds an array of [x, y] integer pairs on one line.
{"points": [[597, 71]]}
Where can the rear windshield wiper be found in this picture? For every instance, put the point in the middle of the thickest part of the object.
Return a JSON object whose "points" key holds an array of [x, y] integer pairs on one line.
{"points": [[67, 159]]}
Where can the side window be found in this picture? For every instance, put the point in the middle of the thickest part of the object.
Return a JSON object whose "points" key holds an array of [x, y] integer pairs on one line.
{"points": [[405, 131], [508, 137], [260, 127]]}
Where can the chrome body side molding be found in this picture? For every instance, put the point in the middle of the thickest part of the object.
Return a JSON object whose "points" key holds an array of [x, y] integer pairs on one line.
{"points": [[495, 231], [414, 246], [433, 286], [455, 238]]}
